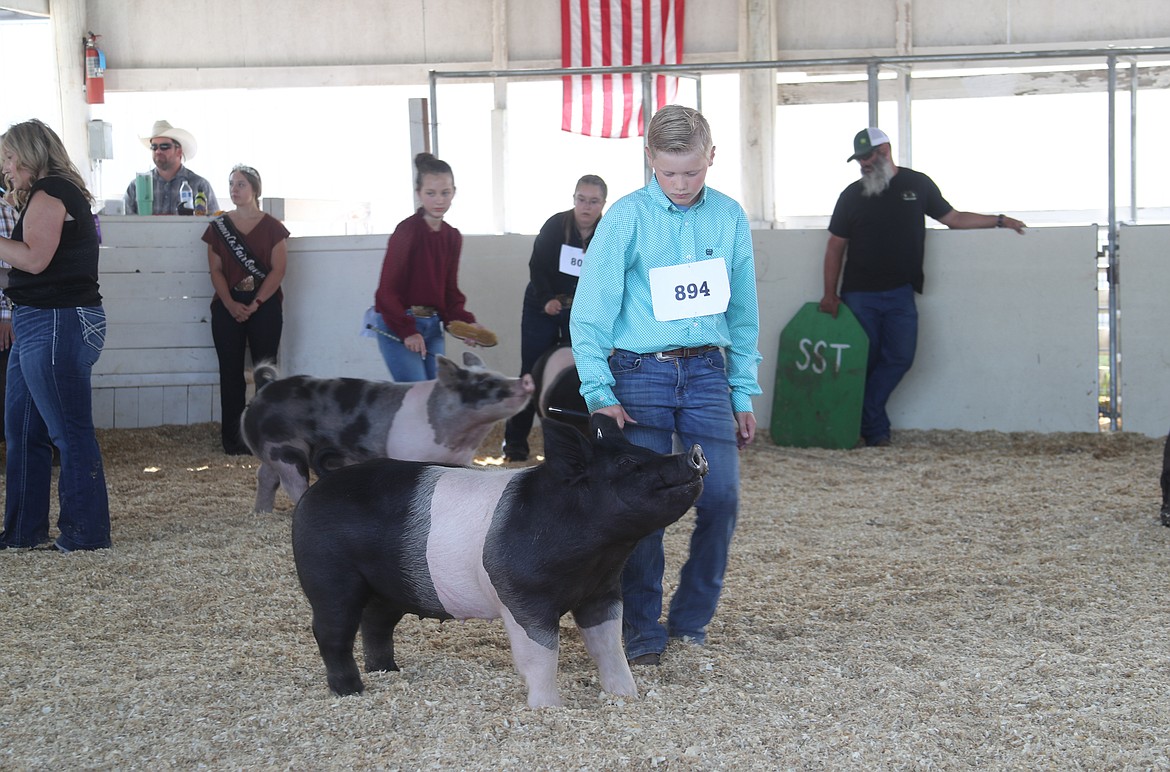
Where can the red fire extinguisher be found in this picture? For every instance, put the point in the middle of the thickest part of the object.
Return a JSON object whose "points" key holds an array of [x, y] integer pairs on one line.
{"points": [[95, 71]]}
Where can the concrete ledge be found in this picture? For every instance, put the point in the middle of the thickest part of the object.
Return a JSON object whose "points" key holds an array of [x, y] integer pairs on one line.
{"points": [[137, 380]]}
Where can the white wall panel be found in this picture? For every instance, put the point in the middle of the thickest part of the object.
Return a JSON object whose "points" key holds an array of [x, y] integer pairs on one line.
{"points": [[1007, 335], [1145, 328], [1008, 323]]}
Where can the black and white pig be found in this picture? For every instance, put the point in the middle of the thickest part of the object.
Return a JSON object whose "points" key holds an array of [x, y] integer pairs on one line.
{"points": [[558, 388], [382, 539], [300, 423]]}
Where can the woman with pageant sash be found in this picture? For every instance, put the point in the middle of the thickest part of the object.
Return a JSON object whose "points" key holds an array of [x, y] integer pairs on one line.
{"points": [[247, 251]]}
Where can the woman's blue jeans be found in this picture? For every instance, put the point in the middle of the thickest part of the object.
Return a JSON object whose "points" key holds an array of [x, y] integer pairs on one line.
{"points": [[689, 397], [406, 366], [48, 403], [890, 321]]}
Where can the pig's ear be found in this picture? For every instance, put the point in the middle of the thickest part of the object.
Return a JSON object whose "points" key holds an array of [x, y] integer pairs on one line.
{"points": [[471, 360], [566, 452], [448, 371], [603, 427]]}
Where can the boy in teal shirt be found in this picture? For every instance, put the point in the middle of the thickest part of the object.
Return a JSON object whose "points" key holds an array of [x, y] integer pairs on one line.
{"points": [[664, 327]]}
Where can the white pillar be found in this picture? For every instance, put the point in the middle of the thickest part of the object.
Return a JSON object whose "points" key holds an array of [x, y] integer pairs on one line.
{"points": [[499, 115], [757, 112], [904, 43], [68, 19]]}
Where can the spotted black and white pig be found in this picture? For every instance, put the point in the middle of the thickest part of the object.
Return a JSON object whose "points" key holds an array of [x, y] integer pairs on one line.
{"points": [[382, 539], [300, 423]]}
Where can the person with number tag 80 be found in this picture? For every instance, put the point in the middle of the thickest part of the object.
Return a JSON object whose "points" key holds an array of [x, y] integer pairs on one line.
{"points": [[664, 327]]}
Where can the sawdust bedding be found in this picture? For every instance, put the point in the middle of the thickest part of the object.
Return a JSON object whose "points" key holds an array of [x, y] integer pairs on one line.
{"points": [[957, 600]]}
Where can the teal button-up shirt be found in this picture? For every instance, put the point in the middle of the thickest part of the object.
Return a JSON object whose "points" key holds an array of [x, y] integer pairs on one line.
{"points": [[612, 307]]}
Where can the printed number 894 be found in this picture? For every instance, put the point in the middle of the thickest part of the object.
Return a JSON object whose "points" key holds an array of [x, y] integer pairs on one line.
{"points": [[691, 291]]}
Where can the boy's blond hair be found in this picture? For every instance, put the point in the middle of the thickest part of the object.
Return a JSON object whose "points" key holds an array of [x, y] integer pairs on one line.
{"points": [[678, 129]]}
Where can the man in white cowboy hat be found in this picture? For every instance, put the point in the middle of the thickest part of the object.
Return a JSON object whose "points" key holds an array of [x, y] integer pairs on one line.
{"points": [[170, 147]]}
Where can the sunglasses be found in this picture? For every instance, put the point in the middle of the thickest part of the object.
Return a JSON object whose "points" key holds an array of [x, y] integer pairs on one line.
{"points": [[164, 145]]}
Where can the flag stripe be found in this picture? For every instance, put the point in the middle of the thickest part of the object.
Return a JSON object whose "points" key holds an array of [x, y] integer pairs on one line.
{"points": [[612, 33]]}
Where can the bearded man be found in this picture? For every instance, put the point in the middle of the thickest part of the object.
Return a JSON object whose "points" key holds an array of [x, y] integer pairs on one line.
{"points": [[170, 148], [877, 234]]}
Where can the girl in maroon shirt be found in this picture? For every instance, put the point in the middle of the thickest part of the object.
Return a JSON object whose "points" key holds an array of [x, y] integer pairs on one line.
{"points": [[418, 292]]}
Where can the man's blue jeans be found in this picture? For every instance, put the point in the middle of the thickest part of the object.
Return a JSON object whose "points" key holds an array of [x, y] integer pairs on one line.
{"points": [[690, 397], [890, 321], [406, 366], [48, 403]]}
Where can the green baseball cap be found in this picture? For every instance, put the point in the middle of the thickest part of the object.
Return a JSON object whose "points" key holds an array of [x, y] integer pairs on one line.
{"points": [[866, 140]]}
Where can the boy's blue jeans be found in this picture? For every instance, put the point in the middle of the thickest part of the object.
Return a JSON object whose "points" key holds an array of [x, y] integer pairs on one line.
{"points": [[48, 403], [689, 397]]}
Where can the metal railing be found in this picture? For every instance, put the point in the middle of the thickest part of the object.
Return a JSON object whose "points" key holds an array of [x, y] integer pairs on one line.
{"points": [[872, 66]]}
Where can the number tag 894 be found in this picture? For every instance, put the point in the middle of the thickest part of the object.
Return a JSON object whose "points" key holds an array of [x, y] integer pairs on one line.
{"points": [[688, 290]]}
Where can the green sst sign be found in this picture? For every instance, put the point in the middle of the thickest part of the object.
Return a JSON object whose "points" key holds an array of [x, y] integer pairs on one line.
{"points": [[820, 380]]}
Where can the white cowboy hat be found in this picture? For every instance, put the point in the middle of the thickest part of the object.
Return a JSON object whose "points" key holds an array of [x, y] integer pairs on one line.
{"points": [[185, 138]]}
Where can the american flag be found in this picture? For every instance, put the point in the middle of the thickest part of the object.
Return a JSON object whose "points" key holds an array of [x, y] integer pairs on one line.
{"points": [[616, 33]]}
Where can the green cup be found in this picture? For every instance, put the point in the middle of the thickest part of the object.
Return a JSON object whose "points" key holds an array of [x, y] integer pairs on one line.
{"points": [[144, 189]]}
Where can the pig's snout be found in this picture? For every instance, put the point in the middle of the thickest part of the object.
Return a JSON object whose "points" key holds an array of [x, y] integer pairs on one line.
{"points": [[527, 385], [697, 460]]}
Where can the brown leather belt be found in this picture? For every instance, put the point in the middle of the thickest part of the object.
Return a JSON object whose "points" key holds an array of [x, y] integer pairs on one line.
{"points": [[681, 353], [423, 312]]}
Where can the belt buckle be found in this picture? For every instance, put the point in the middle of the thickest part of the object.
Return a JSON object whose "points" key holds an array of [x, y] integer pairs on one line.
{"points": [[246, 285], [422, 312], [662, 356]]}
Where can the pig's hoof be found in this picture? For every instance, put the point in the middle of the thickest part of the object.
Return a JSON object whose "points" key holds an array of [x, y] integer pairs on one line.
{"points": [[546, 701], [373, 666], [345, 687]]}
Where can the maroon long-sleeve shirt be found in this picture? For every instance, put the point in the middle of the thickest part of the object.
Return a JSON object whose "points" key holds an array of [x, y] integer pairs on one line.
{"points": [[421, 268]]}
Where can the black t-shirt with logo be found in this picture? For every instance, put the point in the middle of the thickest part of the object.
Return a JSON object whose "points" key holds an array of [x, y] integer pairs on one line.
{"points": [[887, 232]]}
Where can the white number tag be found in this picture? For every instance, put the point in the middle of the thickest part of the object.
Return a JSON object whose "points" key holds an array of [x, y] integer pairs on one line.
{"points": [[572, 258], [690, 289]]}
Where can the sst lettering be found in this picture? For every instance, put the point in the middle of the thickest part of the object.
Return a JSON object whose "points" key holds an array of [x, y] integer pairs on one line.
{"points": [[814, 359]]}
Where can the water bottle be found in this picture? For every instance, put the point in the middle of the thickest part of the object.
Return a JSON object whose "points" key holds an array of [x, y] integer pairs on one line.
{"points": [[186, 199], [201, 204]]}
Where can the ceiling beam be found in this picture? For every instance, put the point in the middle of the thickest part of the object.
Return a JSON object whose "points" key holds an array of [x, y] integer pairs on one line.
{"points": [[968, 86]]}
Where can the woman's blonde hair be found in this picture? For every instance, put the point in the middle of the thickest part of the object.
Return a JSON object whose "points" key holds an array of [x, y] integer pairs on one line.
{"points": [[678, 129], [38, 149]]}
